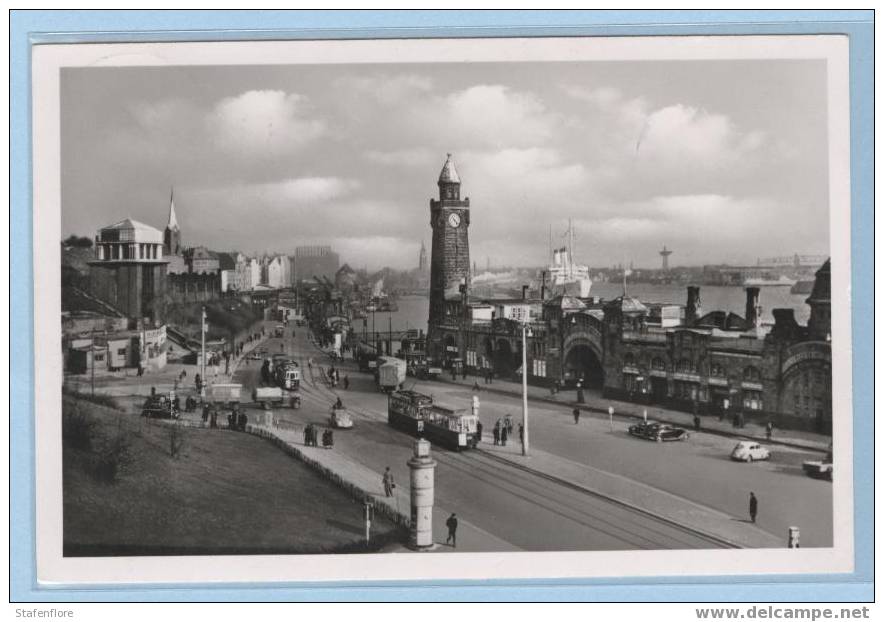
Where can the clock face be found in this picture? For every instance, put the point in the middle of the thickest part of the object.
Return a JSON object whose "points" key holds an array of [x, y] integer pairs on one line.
{"points": [[454, 220]]}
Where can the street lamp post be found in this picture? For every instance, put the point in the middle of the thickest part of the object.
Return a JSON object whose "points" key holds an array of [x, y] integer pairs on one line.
{"points": [[525, 334]]}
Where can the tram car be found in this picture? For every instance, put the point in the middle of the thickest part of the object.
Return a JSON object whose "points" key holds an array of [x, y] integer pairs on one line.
{"points": [[416, 414]]}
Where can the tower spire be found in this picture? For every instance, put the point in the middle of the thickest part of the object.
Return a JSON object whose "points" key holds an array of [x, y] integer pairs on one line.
{"points": [[173, 220]]}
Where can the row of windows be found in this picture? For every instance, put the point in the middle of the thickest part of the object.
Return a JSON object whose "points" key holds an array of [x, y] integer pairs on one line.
{"points": [[690, 391], [684, 365]]}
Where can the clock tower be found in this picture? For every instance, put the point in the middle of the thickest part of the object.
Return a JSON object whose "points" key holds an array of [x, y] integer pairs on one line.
{"points": [[450, 259]]}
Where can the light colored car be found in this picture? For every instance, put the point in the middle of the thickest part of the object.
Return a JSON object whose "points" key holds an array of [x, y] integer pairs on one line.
{"points": [[340, 419], [747, 451]]}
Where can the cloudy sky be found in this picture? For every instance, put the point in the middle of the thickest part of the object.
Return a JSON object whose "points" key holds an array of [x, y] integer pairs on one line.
{"points": [[722, 161]]}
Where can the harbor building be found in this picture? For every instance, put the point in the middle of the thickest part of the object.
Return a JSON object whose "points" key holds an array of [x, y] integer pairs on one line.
{"points": [[715, 363]]}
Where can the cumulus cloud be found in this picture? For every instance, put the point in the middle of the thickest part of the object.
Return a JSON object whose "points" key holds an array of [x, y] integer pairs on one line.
{"points": [[263, 123]]}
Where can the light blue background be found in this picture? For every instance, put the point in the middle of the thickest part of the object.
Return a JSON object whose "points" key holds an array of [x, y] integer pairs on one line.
{"points": [[71, 26]]}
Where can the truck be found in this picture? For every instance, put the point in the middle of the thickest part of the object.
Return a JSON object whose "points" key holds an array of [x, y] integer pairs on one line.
{"points": [[390, 374], [275, 396], [223, 393]]}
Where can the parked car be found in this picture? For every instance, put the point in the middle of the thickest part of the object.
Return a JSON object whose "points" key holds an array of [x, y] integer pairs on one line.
{"points": [[819, 469], [747, 451], [658, 432]]}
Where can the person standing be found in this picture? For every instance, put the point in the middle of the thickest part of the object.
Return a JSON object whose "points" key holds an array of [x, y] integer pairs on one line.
{"points": [[346, 382], [768, 430], [389, 484], [753, 506], [479, 431], [522, 433], [696, 423], [576, 413], [496, 433], [451, 523], [503, 436]]}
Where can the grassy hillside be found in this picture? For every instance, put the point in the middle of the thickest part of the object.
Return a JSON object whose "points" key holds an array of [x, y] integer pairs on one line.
{"points": [[225, 493], [227, 317]]}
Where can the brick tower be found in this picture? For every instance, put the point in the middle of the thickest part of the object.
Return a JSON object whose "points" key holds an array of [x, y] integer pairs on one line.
{"points": [[450, 259]]}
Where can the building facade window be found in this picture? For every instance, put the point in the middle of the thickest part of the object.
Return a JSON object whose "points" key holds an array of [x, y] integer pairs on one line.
{"points": [[684, 366], [716, 370], [751, 374], [685, 390], [629, 359], [658, 364], [752, 400]]}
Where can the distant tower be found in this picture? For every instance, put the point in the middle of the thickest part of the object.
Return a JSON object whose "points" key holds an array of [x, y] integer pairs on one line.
{"points": [[422, 265], [450, 259], [172, 234], [665, 253]]}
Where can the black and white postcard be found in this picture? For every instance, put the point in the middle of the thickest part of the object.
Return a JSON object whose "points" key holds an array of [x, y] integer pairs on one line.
{"points": [[443, 308]]}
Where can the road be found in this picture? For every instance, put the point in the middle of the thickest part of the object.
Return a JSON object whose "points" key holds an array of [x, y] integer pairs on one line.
{"points": [[525, 509]]}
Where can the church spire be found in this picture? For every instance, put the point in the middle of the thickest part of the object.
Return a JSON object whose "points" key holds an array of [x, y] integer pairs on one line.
{"points": [[173, 220]]}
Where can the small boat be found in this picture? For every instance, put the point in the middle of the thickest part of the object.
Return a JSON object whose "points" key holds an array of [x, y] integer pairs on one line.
{"points": [[782, 281]]}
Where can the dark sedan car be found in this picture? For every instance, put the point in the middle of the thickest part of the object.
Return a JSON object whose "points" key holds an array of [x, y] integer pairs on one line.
{"points": [[658, 432]]}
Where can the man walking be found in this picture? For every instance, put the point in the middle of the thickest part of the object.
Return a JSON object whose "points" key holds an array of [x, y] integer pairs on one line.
{"points": [[576, 413], [753, 506], [768, 430], [451, 523], [389, 484], [479, 431]]}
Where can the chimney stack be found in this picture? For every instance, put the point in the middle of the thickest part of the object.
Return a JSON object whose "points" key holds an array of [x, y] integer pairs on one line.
{"points": [[752, 307], [692, 309]]}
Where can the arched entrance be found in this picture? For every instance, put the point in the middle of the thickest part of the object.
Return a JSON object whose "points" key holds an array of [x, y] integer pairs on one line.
{"points": [[504, 360], [581, 363]]}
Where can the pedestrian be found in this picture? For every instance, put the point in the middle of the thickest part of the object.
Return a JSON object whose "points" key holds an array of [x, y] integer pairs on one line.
{"points": [[231, 422], [453, 373], [508, 422], [503, 436], [346, 382], [476, 385], [389, 484], [696, 423], [337, 377], [451, 523], [576, 413], [522, 433], [213, 419], [205, 413], [768, 430], [478, 431], [753, 506], [198, 382], [338, 404], [496, 433], [242, 421], [464, 372]]}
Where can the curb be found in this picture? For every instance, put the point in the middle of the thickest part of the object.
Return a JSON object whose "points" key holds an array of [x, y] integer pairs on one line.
{"points": [[602, 411]]}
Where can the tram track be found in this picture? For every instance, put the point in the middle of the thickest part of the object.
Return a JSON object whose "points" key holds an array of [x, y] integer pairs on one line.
{"points": [[619, 524]]}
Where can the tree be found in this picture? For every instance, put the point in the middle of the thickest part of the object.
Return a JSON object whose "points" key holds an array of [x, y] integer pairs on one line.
{"points": [[77, 241]]}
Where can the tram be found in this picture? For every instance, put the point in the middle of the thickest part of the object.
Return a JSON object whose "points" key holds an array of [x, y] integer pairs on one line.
{"points": [[416, 414]]}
